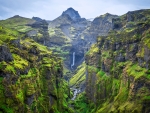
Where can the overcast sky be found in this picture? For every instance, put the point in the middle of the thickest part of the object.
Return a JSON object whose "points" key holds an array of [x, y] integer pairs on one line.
{"points": [[50, 9]]}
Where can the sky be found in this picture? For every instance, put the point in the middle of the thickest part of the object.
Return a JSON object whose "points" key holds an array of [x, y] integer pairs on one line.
{"points": [[51, 9]]}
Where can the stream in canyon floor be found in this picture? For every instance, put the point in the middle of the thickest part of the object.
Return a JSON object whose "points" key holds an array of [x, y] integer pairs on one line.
{"points": [[75, 93]]}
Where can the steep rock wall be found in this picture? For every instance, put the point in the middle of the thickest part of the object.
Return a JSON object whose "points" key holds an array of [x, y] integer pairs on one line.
{"points": [[118, 71]]}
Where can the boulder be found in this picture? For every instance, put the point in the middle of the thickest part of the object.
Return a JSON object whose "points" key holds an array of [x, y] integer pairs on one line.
{"points": [[5, 54]]}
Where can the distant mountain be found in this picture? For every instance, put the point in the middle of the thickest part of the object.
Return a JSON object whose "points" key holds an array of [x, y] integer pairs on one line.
{"points": [[72, 13], [79, 33], [100, 26], [18, 23], [90, 19], [37, 19]]}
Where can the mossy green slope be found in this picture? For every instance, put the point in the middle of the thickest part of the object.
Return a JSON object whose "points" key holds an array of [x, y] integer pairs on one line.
{"points": [[18, 23], [118, 67], [31, 77], [79, 76]]}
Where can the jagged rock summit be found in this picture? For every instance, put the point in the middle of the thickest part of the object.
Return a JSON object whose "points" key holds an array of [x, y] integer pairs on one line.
{"points": [[72, 13]]}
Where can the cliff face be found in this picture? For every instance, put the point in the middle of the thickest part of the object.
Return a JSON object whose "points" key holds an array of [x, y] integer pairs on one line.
{"points": [[30, 76], [100, 26], [118, 70]]}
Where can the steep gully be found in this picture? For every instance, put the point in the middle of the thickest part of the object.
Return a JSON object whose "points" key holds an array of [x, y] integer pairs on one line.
{"points": [[75, 91]]}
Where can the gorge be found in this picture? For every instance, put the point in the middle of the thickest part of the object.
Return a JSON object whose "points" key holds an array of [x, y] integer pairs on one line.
{"points": [[74, 65]]}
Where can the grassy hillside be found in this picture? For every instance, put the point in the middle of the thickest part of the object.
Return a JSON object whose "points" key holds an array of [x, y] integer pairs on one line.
{"points": [[18, 23]]}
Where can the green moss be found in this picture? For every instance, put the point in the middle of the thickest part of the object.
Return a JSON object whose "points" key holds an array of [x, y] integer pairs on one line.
{"points": [[29, 43], [31, 73], [147, 98], [47, 62], [2, 65], [79, 76], [105, 54], [8, 32], [81, 106], [147, 40], [20, 96], [23, 28], [94, 49], [135, 70], [10, 69], [141, 52], [18, 23], [30, 90], [101, 73], [19, 62], [65, 70], [92, 68], [6, 109]]}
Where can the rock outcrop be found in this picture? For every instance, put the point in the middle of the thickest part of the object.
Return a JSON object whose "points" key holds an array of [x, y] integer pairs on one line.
{"points": [[5, 54]]}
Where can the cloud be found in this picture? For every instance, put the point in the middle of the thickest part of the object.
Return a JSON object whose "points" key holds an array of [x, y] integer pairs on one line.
{"points": [[50, 9]]}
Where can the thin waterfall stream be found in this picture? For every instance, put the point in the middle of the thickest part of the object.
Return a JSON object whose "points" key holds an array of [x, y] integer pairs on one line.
{"points": [[73, 60], [75, 93]]}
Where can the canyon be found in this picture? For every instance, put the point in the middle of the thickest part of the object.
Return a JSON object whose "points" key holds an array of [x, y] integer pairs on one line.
{"points": [[75, 65]]}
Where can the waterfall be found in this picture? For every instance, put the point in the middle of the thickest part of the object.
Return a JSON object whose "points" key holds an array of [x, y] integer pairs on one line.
{"points": [[75, 93], [44, 42], [73, 60]]}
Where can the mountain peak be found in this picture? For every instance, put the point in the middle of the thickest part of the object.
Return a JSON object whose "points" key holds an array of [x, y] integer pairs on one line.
{"points": [[70, 9], [72, 13], [36, 18]]}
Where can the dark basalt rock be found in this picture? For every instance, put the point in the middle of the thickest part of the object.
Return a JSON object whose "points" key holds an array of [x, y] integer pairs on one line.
{"points": [[36, 18], [135, 49], [120, 58], [147, 58], [103, 66], [131, 54], [72, 13], [34, 50], [30, 99], [16, 43], [39, 24], [5, 54]]}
